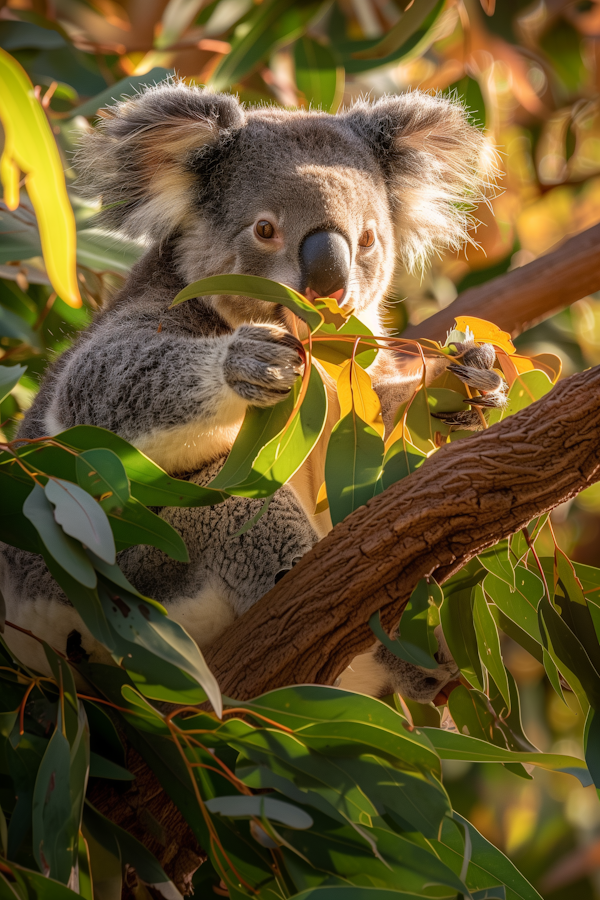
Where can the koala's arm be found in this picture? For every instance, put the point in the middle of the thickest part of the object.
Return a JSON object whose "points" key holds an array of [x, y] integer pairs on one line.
{"points": [[396, 378], [143, 377]]}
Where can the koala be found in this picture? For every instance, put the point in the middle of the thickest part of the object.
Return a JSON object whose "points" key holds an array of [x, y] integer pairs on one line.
{"points": [[328, 204]]}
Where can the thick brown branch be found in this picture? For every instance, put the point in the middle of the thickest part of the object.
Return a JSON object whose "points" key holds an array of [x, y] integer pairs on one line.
{"points": [[469, 495], [528, 294]]}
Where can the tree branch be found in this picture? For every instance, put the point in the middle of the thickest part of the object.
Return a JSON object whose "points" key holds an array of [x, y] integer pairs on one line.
{"points": [[466, 497], [526, 295]]}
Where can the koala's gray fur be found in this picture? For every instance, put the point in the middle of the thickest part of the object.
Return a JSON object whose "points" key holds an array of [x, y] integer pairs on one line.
{"points": [[192, 172]]}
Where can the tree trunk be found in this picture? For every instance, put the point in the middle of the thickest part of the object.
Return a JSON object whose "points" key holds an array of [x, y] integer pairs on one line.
{"points": [[526, 295]]}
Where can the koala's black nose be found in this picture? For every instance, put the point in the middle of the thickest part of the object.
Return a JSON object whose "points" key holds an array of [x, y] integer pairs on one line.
{"points": [[325, 265]]}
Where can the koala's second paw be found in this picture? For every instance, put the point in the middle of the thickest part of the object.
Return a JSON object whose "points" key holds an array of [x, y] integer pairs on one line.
{"points": [[262, 363]]}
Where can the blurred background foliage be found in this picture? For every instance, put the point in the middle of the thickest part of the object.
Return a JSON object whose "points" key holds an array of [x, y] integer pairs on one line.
{"points": [[530, 72]]}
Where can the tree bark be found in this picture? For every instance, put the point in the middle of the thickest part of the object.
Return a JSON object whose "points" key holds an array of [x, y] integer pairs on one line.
{"points": [[526, 295], [467, 496]]}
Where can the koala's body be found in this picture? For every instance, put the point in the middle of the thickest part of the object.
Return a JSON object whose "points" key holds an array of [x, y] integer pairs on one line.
{"points": [[322, 203]]}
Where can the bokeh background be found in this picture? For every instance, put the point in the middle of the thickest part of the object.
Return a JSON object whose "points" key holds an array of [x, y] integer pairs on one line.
{"points": [[530, 73]]}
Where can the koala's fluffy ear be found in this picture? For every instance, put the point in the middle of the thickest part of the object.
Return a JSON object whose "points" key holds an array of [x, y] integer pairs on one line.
{"points": [[437, 165], [136, 160]]}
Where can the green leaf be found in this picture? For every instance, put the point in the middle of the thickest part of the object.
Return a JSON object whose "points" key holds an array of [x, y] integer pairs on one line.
{"points": [[142, 624], [132, 852], [318, 74], [257, 289], [517, 634], [102, 474], [32, 885], [403, 649], [100, 767], [418, 421], [397, 37], [570, 602], [401, 459], [510, 724], [149, 483], [9, 377], [336, 351], [568, 653], [496, 560], [355, 722], [518, 544], [456, 617], [450, 745], [520, 604], [240, 806], [283, 455], [54, 840], [68, 553], [273, 23], [488, 866], [488, 643], [353, 465], [81, 517], [415, 624], [473, 715], [351, 892], [525, 390]]}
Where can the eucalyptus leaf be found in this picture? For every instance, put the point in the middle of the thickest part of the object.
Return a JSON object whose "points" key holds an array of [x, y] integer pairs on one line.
{"points": [[256, 288], [67, 552], [241, 806], [9, 377], [81, 517]]}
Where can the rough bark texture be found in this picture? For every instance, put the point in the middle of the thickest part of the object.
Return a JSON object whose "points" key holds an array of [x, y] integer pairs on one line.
{"points": [[526, 295], [466, 497]]}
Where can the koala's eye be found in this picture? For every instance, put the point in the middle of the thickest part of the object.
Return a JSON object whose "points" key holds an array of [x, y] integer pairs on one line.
{"points": [[367, 238], [264, 229]]}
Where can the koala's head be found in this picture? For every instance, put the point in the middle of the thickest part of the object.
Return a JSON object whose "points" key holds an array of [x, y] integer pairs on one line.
{"points": [[325, 204]]}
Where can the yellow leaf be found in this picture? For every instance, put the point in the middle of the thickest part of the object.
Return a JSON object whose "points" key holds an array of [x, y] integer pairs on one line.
{"points": [[485, 332], [332, 370], [322, 501], [354, 389], [29, 146]]}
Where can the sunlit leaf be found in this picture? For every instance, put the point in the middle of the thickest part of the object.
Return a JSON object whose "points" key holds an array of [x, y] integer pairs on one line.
{"points": [[256, 288], [29, 146], [355, 390], [486, 333], [450, 745], [496, 560], [519, 604]]}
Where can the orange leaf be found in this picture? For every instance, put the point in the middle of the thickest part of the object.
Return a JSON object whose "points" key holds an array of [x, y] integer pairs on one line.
{"points": [[485, 332]]}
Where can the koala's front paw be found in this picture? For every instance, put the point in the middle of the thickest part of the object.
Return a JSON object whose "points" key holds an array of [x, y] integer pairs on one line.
{"points": [[262, 363]]}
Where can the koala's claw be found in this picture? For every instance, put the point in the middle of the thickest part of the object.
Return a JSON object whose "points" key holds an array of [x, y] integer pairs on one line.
{"points": [[466, 419], [262, 363], [480, 357], [480, 379]]}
